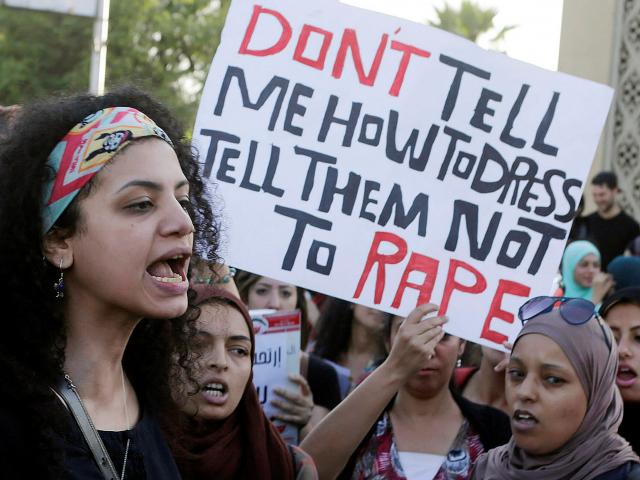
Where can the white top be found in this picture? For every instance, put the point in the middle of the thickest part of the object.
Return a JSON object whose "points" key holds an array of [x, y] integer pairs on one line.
{"points": [[420, 466]]}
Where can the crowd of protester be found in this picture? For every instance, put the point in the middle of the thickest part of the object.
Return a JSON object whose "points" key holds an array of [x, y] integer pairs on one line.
{"points": [[128, 347]]}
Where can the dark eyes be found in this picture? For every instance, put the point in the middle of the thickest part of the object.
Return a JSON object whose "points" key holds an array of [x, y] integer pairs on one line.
{"points": [[142, 206], [515, 374], [186, 204], [553, 380], [617, 337], [146, 205], [240, 351], [518, 375]]}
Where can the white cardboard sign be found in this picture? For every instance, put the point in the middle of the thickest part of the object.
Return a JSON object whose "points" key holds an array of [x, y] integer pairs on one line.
{"points": [[390, 163]]}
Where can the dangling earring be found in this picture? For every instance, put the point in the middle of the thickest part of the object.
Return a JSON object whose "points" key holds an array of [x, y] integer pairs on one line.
{"points": [[58, 286], [459, 363]]}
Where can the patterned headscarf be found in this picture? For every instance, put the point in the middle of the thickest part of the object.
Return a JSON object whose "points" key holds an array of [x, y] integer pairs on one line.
{"points": [[86, 149]]}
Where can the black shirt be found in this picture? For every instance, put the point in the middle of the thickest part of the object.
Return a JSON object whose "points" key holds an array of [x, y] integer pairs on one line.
{"points": [[628, 471], [630, 426], [323, 382], [612, 235], [492, 424], [16, 449], [149, 456]]}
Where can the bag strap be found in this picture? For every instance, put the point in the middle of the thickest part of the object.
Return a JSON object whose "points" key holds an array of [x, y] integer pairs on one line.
{"points": [[68, 395]]}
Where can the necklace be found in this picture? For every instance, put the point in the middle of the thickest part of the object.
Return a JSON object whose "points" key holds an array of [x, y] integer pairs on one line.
{"points": [[128, 425], [95, 431]]}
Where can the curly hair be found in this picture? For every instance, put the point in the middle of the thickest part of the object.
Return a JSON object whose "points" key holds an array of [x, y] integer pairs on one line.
{"points": [[33, 338]]}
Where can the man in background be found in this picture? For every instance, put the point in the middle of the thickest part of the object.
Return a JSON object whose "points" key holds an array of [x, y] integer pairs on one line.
{"points": [[609, 227]]}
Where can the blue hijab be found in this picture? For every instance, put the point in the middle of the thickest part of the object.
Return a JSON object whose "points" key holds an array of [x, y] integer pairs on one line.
{"points": [[573, 254], [625, 271]]}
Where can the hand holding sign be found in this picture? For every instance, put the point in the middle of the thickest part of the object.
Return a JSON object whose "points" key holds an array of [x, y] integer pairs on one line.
{"points": [[294, 407]]}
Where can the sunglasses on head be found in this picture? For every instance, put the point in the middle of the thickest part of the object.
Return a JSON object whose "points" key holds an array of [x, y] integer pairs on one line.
{"points": [[574, 311]]}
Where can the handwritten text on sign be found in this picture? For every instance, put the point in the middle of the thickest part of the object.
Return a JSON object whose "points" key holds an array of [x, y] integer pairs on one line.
{"points": [[390, 163]]}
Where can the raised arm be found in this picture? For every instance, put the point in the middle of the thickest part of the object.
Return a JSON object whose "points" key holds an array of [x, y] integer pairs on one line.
{"points": [[336, 437]]}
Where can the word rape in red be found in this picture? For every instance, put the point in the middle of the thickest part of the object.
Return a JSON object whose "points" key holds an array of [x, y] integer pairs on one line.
{"points": [[429, 267]]}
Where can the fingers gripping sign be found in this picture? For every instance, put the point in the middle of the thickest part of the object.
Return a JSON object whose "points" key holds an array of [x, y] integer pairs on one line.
{"points": [[296, 405]]}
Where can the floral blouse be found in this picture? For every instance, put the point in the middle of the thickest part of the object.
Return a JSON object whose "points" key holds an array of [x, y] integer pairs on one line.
{"points": [[304, 466], [378, 458]]}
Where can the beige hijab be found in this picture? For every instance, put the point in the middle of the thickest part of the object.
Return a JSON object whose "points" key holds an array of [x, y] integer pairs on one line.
{"points": [[596, 447]]}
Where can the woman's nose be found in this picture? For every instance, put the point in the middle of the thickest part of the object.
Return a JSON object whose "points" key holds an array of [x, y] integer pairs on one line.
{"points": [[217, 359], [177, 221], [624, 349], [274, 301], [527, 390]]}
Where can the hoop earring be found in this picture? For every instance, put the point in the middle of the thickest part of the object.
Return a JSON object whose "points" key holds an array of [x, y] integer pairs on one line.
{"points": [[58, 286]]}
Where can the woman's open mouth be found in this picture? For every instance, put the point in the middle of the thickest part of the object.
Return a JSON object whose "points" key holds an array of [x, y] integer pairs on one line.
{"points": [[626, 377], [215, 393], [523, 421], [169, 270]]}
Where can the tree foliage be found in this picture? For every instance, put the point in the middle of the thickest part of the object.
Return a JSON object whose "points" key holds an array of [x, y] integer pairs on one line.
{"points": [[42, 53], [469, 21], [164, 46]]}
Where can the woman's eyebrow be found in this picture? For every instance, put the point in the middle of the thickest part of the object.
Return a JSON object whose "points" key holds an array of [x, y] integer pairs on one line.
{"points": [[181, 184], [515, 359], [239, 338], [151, 185], [141, 183], [553, 366]]}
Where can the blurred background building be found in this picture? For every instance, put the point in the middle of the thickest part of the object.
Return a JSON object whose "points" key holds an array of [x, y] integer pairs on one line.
{"points": [[600, 40]]}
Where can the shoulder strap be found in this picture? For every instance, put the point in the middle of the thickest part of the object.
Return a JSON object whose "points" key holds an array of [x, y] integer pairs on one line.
{"points": [[66, 393]]}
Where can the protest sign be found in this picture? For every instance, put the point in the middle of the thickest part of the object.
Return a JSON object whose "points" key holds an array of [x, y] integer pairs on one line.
{"points": [[277, 354], [390, 163]]}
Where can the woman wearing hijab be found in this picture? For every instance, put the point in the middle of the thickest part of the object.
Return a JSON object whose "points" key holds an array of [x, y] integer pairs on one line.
{"points": [[220, 430], [625, 271], [581, 275], [564, 406], [621, 311]]}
